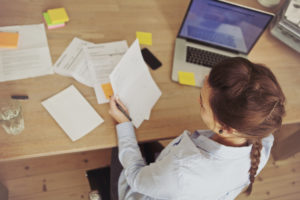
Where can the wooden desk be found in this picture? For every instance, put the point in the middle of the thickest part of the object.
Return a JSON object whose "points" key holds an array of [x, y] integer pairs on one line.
{"points": [[111, 20]]}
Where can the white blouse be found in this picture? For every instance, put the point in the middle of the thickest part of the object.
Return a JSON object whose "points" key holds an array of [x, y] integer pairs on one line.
{"points": [[191, 167]]}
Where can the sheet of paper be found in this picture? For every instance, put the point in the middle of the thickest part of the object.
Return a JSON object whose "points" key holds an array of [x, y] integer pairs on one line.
{"points": [[102, 59], [133, 84], [31, 58], [72, 62], [72, 112]]}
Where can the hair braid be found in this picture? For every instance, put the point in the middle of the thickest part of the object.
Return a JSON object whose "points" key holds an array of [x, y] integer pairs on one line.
{"points": [[255, 159]]}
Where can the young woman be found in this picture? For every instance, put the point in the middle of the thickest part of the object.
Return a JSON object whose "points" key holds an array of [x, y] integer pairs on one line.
{"points": [[242, 104]]}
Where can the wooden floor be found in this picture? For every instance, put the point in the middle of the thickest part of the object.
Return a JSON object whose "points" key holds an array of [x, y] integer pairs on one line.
{"points": [[63, 177]]}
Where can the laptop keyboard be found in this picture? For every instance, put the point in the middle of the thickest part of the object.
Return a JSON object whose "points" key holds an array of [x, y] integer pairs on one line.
{"points": [[202, 57]]}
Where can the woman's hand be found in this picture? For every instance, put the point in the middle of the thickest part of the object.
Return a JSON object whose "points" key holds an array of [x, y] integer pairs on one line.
{"points": [[115, 112]]}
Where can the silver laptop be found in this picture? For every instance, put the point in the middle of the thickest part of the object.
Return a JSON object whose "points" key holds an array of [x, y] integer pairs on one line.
{"points": [[213, 31]]}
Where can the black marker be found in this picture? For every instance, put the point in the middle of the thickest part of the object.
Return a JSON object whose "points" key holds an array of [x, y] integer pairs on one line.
{"points": [[21, 97]]}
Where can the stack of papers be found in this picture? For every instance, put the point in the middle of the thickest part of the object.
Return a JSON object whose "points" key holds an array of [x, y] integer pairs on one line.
{"points": [[72, 62], [293, 12], [132, 83], [72, 113], [56, 18], [112, 68], [9, 39], [102, 59], [31, 58], [91, 64]]}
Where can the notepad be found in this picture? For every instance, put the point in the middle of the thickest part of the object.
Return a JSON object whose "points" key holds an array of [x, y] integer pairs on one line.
{"points": [[48, 20], [186, 78], [9, 40], [73, 113], [51, 25], [144, 38], [58, 15]]}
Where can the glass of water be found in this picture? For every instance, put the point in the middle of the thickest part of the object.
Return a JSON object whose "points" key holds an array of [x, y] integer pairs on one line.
{"points": [[11, 118]]}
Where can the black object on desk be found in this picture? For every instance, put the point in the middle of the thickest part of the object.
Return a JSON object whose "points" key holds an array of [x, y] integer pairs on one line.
{"points": [[99, 179], [150, 59], [19, 97]]}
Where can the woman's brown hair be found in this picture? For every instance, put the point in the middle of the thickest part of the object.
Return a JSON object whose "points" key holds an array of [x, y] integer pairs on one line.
{"points": [[247, 97]]}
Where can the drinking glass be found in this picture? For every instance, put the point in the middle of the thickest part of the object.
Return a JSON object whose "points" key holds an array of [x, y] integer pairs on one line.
{"points": [[11, 117], [269, 3]]}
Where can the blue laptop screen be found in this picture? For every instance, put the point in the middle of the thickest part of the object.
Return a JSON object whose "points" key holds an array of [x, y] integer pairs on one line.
{"points": [[223, 24]]}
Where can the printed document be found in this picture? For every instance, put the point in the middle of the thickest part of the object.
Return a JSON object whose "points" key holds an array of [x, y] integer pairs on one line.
{"points": [[102, 59], [72, 112], [31, 58], [72, 62], [133, 84], [293, 12]]}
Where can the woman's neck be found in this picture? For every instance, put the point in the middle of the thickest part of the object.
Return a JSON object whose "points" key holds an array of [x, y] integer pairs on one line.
{"points": [[230, 141]]}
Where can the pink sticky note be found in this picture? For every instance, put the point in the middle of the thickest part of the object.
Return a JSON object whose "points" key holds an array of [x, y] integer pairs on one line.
{"points": [[56, 26]]}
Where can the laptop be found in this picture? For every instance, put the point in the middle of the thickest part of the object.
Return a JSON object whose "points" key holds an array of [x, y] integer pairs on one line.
{"points": [[212, 31]]}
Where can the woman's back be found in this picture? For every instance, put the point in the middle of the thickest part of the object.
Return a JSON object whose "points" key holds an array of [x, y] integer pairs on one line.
{"points": [[196, 167]]}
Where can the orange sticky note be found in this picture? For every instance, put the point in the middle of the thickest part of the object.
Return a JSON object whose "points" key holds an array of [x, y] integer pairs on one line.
{"points": [[186, 78], [107, 89], [9, 40], [58, 15], [144, 38]]}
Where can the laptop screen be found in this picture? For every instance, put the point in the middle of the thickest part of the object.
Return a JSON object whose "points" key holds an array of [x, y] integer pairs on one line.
{"points": [[223, 24]]}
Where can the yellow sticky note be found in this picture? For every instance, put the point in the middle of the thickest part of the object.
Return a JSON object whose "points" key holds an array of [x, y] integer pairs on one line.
{"points": [[186, 78], [107, 89], [9, 39], [144, 38], [58, 15]]}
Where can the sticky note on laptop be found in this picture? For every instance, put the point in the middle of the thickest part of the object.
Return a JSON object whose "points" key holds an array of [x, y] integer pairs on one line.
{"points": [[144, 38], [9, 39], [186, 78], [58, 15]]}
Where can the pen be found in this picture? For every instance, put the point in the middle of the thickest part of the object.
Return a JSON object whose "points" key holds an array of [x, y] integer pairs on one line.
{"points": [[123, 111], [22, 97]]}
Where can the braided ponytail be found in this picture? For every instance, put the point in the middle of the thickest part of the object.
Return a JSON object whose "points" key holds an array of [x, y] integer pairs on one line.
{"points": [[255, 159]]}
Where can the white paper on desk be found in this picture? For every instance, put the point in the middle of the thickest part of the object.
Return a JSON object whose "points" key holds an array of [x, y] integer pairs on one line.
{"points": [[102, 59], [72, 112], [133, 84], [31, 58], [72, 62]]}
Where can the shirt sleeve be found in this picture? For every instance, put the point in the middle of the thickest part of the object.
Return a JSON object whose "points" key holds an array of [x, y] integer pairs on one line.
{"points": [[157, 180]]}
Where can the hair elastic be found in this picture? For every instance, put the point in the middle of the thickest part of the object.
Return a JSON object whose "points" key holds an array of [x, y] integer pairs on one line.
{"points": [[272, 110]]}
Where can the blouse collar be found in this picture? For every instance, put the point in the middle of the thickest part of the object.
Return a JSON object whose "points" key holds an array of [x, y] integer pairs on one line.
{"points": [[203, 141]]}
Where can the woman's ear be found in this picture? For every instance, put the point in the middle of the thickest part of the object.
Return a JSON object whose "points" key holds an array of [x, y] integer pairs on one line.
{"points": [[224, 131]]}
